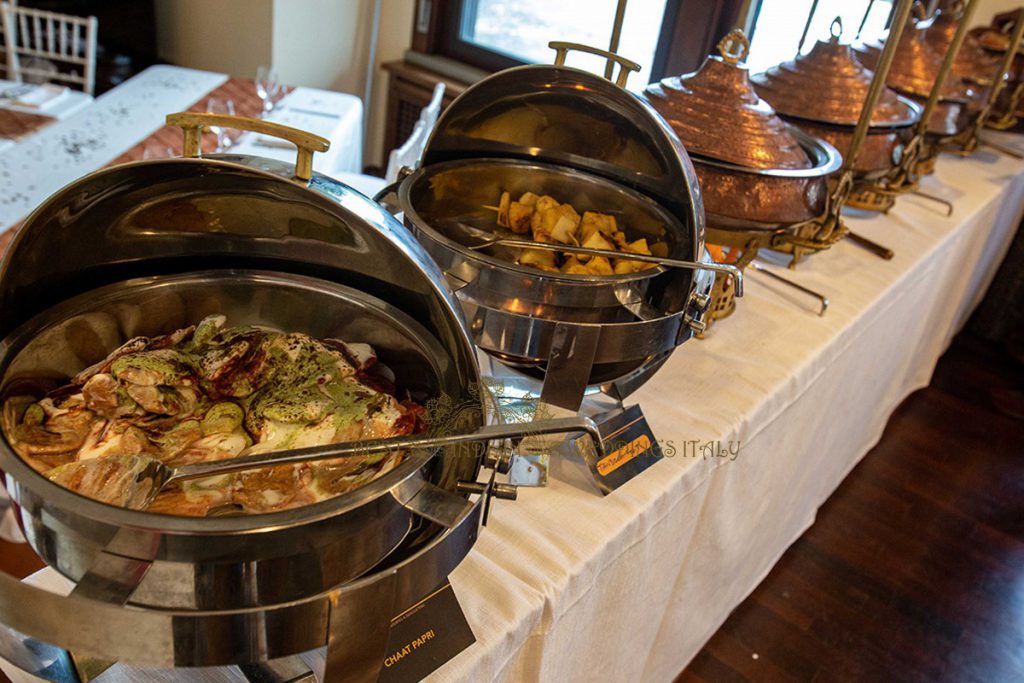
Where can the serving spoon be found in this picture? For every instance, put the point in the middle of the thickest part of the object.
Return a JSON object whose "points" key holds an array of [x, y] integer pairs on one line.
{"points": [[155, 476]]}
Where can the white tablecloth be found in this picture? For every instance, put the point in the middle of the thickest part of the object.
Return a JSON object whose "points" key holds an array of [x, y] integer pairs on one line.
{"points": [[332, 115], [43, 163], [68, 104], [564, 585]]}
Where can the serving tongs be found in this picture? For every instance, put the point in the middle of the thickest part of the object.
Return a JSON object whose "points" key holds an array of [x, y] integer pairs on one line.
{"points": [[489, 239], [155, 476]]}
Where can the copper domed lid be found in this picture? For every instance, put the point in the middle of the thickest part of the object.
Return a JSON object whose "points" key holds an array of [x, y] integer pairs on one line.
{"points": [[718, 115], [972, 62], [829, 85], [915, 67]]}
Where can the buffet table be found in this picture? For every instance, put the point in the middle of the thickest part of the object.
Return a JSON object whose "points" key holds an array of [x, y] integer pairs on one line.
{"points": [[564, 585], [766, 416]]}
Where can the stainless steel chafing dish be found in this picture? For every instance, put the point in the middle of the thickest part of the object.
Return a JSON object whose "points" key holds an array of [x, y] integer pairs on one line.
{"points": [[148, 247], [588, 142]]}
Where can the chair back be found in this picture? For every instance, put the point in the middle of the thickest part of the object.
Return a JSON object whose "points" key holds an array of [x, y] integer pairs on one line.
{"points": [[409, 153], [35, 37]]}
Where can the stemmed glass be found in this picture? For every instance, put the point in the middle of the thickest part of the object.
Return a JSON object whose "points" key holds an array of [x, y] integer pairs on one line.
{"points": [[217, 106], [268, 87]]}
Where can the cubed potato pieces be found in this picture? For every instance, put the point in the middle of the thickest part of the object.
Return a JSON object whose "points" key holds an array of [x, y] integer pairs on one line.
{"points": [[599, 265], [596, 241], [529, 199], [638, 247], [519, 216], [546, 203], [597, 222], [559, 223], [564, 230], [624, 267], [538, 258], [503, 206], [573, 266]]}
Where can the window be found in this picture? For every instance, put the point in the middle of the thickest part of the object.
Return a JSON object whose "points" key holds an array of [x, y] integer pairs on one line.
{"points": [[663, 36], [778, 24], [522, 29]]}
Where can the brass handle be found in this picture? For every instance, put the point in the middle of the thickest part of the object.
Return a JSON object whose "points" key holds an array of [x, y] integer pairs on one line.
{"points": [[625, 65], [192, 124], [734, 47]]}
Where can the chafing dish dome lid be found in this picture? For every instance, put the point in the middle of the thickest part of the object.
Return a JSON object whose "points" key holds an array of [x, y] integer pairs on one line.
{"points": [[972, 62], [829, 85], [915, 67], [717, 114], [569, 117]]}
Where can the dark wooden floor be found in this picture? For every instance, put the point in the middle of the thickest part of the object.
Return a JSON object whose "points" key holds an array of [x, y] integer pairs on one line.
{"points": [[914, 569]]}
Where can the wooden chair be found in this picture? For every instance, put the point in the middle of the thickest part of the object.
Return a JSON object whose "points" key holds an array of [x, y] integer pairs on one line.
{"points": [[62, 39], [4, 58]]}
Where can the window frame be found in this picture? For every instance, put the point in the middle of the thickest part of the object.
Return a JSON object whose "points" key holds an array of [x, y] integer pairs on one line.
{"points": [[688, 32]]}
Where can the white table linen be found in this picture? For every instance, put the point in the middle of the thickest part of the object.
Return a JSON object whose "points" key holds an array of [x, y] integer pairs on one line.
{"points": [[46, 161], [332, 115], [62, 106], [564, 585]]}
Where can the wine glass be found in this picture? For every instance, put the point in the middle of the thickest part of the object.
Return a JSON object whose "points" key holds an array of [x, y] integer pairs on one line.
{"points": [[268, 87], [216, 105]]}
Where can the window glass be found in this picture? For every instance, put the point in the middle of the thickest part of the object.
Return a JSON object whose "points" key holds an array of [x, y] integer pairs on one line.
{"points": [[522, 29], [781, 22]]}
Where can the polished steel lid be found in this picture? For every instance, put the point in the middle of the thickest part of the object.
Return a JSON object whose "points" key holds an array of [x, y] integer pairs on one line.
{"points": [[571, 118], [717, 114], [829, 85], [972, 62], [915, 67]]}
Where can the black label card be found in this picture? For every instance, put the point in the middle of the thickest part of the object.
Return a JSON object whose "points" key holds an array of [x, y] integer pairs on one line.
{"points": [[425, 636], [630, 448]]}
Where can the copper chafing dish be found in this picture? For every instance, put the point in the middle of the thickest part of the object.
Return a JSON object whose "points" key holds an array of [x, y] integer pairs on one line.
{"points": [[914, 71], [588, 142], [972, 64], [146, 248], [754, 170], [996, 40], [823, 93], [760, 177]]}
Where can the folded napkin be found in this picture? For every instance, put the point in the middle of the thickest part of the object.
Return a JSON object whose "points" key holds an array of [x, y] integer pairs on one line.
{"points": [[42, 96]]}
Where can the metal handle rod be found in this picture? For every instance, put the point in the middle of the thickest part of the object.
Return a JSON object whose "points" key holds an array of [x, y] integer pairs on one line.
{"points": [[937, 200], [613, 44], [361, 448], [877, 83], [1003, 149], [626, 256], [822, 299], [872, 246], [864, 19], [807, 26], [1007, 62], [947, 66]]}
